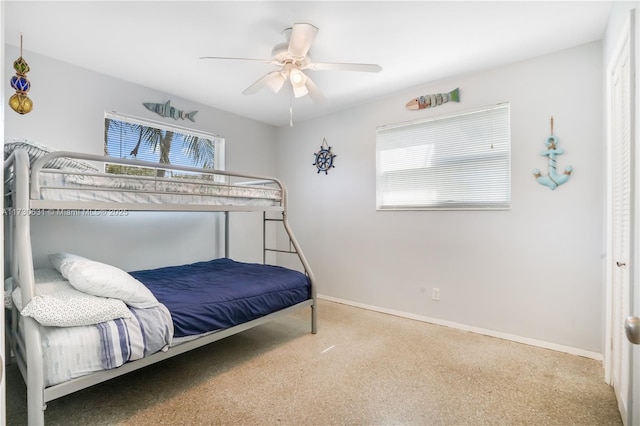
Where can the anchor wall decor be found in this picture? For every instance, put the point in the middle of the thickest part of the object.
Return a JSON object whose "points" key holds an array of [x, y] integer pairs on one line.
{"points": [[553, 179]]}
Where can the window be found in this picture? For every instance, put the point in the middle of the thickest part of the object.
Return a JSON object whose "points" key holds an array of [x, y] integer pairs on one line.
{"points": [[459, 161], [132, 138]]}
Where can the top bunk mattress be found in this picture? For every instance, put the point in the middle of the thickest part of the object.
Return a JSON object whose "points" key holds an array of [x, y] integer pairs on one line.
{"points": [[221, 293], [61, 185]]}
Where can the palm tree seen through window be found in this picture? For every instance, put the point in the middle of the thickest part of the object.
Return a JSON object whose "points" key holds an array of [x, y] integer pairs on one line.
{"points": [[135, 139]]}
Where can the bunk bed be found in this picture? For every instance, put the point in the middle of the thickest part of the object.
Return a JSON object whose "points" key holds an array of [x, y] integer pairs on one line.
{"points": [[154, 322]]}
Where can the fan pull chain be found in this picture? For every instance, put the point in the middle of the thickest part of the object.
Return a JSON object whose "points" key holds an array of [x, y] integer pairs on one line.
{"points": [[291, 111]]}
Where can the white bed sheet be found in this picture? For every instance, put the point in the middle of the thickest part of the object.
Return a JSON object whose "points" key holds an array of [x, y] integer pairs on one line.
{"points": [[70, 352]]}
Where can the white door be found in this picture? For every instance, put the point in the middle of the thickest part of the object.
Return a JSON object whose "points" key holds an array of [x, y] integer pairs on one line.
{"points": [[622, 357]]}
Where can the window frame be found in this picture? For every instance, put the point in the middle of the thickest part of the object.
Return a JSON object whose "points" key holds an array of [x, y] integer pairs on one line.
{"points": [[502, 155], [219, 141]]}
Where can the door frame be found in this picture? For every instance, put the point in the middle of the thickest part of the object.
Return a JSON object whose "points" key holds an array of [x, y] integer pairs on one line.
{"points": [[633, 415], [629, 409]]}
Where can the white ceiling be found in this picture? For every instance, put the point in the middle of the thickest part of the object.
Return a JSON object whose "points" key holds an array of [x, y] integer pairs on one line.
{"points": [[157, 44]]}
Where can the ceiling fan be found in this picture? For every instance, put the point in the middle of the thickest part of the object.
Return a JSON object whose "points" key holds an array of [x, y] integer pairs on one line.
{"points": [[292, 58]]}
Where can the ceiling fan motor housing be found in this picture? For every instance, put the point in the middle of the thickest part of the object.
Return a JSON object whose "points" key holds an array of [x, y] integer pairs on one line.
{"points": [[280, 52]]}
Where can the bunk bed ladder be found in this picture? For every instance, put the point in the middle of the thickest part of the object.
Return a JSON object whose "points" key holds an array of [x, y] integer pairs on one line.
{"points": [[265, 249], [293, 248]]}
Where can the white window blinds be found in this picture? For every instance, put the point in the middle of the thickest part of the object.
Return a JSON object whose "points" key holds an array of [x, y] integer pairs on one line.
{"points": [[459, 161]]}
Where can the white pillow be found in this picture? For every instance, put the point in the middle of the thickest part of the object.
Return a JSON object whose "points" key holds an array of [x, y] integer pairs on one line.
{"points": [[36, 150], [58, 260], [58, 304], [105, 280]]}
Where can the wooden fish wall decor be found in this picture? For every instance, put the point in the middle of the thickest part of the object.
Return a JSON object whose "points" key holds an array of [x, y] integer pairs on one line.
{"points": [[20, 102], [553, 179], [166, 110], [429, 101]]}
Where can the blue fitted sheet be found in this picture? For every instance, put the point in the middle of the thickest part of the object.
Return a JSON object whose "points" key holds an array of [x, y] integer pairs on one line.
{"points": [[221, 293]]}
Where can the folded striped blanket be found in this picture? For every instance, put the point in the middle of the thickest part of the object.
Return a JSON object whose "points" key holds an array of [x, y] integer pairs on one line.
{"points": [[127, 339]]}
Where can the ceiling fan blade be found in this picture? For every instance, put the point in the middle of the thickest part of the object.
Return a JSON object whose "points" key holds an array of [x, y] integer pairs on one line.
{"points": [[300, 40], [300, 91], [274, 80], [336, 66], [314, 92]]}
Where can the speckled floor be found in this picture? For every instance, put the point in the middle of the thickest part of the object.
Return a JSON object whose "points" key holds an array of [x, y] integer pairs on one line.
{"points": [[362, 368]]}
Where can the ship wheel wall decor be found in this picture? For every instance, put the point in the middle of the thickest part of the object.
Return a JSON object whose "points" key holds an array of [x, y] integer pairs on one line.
{"points": [[324, 158]]}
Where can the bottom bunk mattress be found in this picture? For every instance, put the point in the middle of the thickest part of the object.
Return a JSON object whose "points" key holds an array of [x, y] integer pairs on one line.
{"points": [[221, 293]]}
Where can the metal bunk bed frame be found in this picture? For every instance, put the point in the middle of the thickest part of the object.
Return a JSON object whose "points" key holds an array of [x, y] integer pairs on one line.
{"points": [[25, 197]]}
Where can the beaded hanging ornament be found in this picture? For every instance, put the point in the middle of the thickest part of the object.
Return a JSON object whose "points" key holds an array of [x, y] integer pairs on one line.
{"points": [[20, 102]]}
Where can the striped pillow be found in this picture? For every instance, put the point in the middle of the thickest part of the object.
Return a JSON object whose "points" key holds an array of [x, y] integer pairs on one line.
{"points": [[37, 150]]}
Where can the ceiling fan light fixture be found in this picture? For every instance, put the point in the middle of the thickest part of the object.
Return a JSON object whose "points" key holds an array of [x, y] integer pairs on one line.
{"points": [[297, 77]]}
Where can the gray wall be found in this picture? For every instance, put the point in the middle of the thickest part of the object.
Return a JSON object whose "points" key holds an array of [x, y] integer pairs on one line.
{"points": [[68, 114], [534, 271]]}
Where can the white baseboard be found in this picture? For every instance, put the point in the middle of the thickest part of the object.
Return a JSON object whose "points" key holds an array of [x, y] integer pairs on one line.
{"points": [[512, 337]]}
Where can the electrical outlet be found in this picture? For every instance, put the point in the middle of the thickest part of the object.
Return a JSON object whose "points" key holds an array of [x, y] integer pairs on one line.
{"points": [[435, 294]]}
